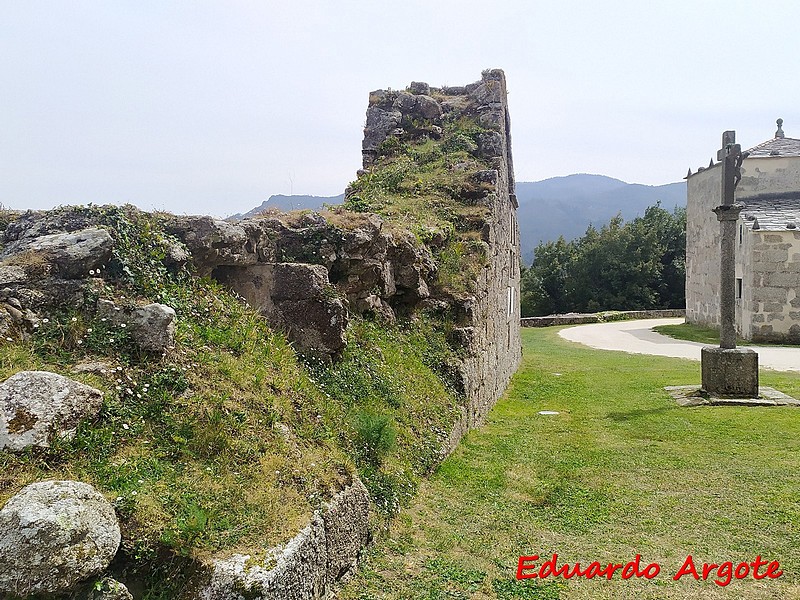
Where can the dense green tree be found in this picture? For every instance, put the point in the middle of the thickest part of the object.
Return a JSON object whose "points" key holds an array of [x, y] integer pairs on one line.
{"points": [[543, 286], [621, 266]]}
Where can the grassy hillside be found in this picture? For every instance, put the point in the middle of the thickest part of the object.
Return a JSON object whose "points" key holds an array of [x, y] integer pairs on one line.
{"points": [[230, 440]]}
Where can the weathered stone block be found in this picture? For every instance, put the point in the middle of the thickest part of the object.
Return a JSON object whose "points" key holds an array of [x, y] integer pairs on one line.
{"points": [[730, 373], [782, 279], [152, 327], [773, 307], [771, 294]]}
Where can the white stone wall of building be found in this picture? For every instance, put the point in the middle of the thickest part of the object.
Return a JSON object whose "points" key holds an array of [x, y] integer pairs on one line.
{"points": [[769, 175], [767, 262], [702, 247]]}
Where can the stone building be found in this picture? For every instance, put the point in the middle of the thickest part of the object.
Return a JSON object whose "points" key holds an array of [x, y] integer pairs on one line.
{"points": [[767, 244]]}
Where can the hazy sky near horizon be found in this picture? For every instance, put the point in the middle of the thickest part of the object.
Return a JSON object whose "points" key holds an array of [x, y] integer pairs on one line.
{"points": [[211, 106]]}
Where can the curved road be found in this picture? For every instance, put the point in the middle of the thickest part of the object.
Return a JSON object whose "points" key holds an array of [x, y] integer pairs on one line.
{"points": [[638, 337]]}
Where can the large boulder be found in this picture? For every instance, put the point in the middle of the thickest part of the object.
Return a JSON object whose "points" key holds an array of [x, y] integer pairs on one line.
{"points": [[68, 255], [37, 405], [54, 535]]}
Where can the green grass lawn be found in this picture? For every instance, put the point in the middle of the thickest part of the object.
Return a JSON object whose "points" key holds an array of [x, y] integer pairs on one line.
{"points": [[704, 335], [692, 333], [622, 470]]}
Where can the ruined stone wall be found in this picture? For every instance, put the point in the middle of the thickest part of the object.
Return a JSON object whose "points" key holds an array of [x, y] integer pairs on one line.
{"points": [[308, 274], [601, 317], [704, 192], [489, 325], [338, 264]]}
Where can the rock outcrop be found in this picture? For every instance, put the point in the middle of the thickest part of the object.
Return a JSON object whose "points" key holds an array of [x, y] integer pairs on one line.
{"points": [[37, 405], [67, 255], [55, 535]]}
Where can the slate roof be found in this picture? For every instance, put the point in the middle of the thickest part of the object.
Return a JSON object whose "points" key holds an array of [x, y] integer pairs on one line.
{"points": [[772, 214], [776, 147]]}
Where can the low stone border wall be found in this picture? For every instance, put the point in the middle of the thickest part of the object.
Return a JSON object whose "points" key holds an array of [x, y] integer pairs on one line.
{"points": [[601, 317], [309, 566]]}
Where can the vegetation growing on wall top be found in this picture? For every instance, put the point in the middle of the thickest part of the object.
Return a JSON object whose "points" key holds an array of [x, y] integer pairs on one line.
{"points": [[424, 180]]}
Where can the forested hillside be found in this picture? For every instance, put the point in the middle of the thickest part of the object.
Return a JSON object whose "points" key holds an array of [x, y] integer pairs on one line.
{"points": [[634, 265]]}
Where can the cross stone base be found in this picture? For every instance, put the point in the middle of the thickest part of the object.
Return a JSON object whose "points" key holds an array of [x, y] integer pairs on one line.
{"points": [[730, 373]]}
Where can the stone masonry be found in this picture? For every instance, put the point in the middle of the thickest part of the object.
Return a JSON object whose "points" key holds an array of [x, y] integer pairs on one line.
{"points": [[489, 318], [767, 244]]}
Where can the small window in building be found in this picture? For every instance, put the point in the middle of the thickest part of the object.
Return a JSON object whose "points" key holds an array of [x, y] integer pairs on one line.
{"points": [[510, 301], [741, 232], [738, 288]]}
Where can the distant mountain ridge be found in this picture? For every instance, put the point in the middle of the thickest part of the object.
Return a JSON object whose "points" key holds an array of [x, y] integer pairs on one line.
{"points": [[559, 206], [566, 206], [282, 202]]}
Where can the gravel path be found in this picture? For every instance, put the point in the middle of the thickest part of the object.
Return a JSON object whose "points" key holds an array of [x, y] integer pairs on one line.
{"points": [[638, 337]]}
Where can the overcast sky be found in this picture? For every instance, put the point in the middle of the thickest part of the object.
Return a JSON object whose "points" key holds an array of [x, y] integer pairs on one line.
{"points": [[211, 107]]}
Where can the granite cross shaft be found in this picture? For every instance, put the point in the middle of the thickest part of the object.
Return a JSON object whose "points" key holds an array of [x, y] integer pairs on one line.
{"points": [[730, 155]]}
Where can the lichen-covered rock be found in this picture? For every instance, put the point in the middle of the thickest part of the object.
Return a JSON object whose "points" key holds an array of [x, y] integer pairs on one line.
{"points": [[71, 255], [50, 292], [10, 274], [54, 535], [36, 405], [152, 326], [296, 572]]}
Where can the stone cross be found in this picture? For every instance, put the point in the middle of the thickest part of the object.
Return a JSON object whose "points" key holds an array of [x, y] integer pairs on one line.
{"points": [[730, 155], [728, 371]]}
